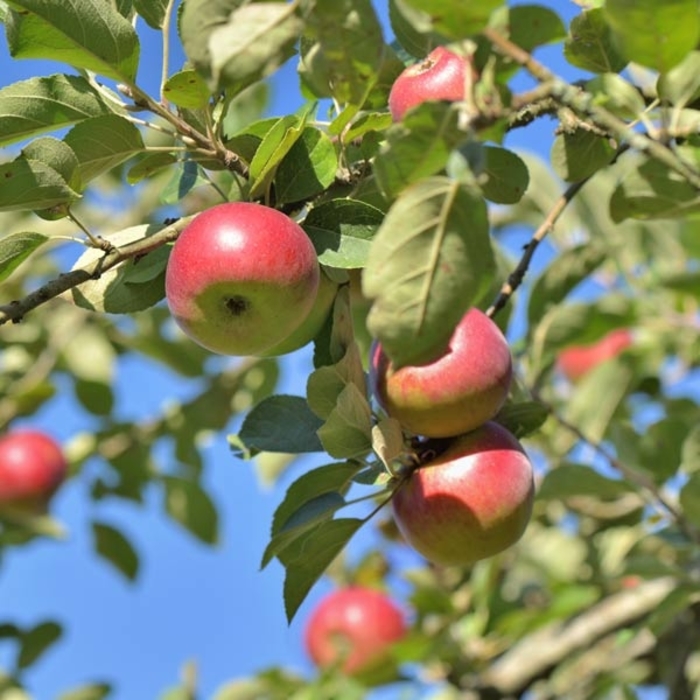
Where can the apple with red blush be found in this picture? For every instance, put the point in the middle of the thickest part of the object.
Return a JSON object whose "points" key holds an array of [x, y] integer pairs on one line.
{"points": [[577, 360]]}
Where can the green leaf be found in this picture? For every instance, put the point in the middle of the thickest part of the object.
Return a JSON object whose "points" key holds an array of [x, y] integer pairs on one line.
{"points": [[690, 498], [562, 275], [456, 20], [342, 50], [523, 418], [280, 424], [418, 147], [93, 691], [430, 260], [37, 105], [576, 156], [87, 34], [314, 553], [126, 288], [149, 165], [570, 479], [186, 175], [348, 430], [115, 548], [153, 11], [341, 231], [187, 503], [590, 44], [96, 397], [33, 185], [655, 33], [187, 89], [681, 84], [533, 25], [36, 641], [57, 155], [16, 248], [308, 168], [690, 451], [506, 176], [413, 29], [618, 96], [102, 143]]}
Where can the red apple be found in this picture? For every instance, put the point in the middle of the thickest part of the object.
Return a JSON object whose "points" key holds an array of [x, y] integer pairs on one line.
{"points": [[354, 628], [471, 502], [577, 360], [441, 75], [241, 278], [457, 392], [32, 466], [312, 324]]}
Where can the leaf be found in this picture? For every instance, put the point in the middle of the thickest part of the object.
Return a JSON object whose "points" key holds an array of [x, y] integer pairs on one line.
{"points": [[36, 641], [456, 20], [341, 231], [388, 441], [655, 33], [507, 176], [102, 143], [149, 165], [413, 29], [124, 288], [533, 25], [430, 260], [681, 84], [93, 691], [690, 498], [690, 452], [308, 168], [570, 479], [16, 248], [279, 424], [618, 96], [186, 175], [418, 147], [314, 553], [87, 34], [590, 44], [187, 89], [114, 547], [576, 156], [347, 431], [522, 418], [32, 185], [34, 106], [188, 504], [153, 11]]}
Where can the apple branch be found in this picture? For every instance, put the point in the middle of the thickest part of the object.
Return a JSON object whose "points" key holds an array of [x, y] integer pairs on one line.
{"points": [[16, 310], [582, 102]]}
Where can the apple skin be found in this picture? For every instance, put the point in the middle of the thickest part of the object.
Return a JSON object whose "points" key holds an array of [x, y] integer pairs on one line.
{"points": [[354, 627], [241, 278], [471, 502], [577, 360], [312, 324], [32, 467], [441, 75], [455, 393]]}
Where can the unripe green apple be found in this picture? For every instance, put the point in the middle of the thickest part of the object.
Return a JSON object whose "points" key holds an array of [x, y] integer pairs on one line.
{"points": [[441, 75], [241, 278], [354, 628], [455, 393], [32, 467], [471, 502], [312, 324], [577, 360]]}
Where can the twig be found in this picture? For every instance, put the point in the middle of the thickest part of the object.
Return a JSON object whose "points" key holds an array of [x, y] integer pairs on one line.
{"points": [[16, 310]]}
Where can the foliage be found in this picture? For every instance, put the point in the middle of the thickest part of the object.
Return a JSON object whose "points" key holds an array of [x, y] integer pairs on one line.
{"points": [[602, 593]]}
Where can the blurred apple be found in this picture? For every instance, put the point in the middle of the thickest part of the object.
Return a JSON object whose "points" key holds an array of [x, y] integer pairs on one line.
{"points": [[457, 392], [577, 360], [470, 502]]}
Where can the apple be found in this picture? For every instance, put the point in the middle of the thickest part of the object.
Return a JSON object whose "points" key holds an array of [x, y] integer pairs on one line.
{"points": [[241, 278], [312, 324], [453, 394], [441, 75], [354, 628], [577, 360], [32, 467], [470, 502]]}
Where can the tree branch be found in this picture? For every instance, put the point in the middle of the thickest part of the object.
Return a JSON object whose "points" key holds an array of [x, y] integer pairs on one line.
{"points": [[16, 310]]}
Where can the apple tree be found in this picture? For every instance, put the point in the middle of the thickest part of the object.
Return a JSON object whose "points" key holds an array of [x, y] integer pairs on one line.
{"points": [[415, 219]]}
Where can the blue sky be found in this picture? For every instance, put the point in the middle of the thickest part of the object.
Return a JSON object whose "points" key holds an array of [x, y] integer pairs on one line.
{"points": [[208, 605]]}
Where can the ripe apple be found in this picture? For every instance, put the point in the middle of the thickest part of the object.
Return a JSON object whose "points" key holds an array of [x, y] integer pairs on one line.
{"points": [[455, 393], [470, 502], [32, 466], [241, 278], [577, 360], [354, 628], [312, 324], [441, 75]]}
